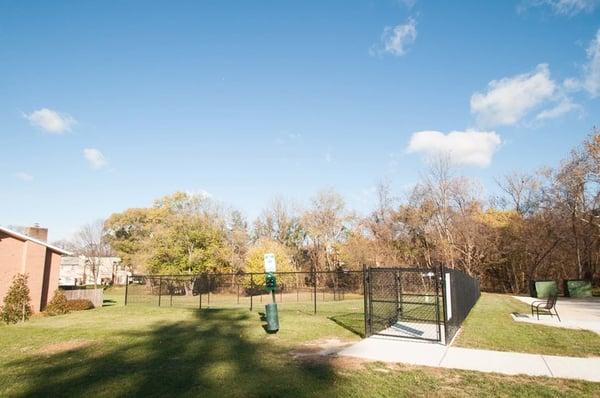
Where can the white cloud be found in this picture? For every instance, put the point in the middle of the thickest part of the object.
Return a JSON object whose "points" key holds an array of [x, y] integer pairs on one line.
{"points": [[395, 40], [475, 148], [51, 121], [95, 158], [408, 3], [591, 81], [571, 84], [21, 175], [563, 7], [508, 100], [563, 107]]}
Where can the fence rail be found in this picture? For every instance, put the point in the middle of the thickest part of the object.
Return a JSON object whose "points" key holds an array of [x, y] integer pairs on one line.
{"points": [[401, 294], [332, 293]]}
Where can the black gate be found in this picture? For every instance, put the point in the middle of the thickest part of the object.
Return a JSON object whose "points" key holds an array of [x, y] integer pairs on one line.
{"points": [[404, 302]]}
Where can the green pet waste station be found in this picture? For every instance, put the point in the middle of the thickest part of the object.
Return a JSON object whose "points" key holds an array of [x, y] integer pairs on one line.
{"points": [[271, 308]]}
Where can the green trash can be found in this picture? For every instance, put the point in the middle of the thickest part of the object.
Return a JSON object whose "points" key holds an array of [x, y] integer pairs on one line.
{"points": [[272, 318], [545, 289], [578, 288]]}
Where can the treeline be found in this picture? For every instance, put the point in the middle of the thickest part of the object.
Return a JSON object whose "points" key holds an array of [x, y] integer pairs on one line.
{"points": [[544, 224]]}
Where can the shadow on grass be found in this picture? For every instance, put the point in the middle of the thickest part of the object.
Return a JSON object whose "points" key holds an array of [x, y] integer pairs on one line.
{"points": [[353, 322], [207, 356], [108, 303], [263, 319]]}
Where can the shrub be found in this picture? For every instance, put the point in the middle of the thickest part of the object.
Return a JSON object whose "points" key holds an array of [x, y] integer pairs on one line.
{"points": [[59, 304], [80, 305], [16, 302]]}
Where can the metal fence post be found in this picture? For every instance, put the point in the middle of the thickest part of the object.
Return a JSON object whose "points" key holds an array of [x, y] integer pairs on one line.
{"points": [[397, 295], [315, 288], [365, 308], [251, 290], [443, 282], [159, 289], [126, 287], [370, 291], [199, 285], [437, 306], [334, 284]]}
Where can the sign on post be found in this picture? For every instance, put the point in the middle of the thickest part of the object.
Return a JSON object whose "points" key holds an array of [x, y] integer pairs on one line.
{"points": [[448, 298], [270, 268], [270, 265]]}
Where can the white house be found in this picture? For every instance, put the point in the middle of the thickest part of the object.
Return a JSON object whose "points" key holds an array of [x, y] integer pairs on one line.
{"points": [[78, 271]]}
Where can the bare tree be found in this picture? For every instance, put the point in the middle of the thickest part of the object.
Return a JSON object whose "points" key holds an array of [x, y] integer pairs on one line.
{"points": [[382, 224], [279, 222], [91, 243], [523, 190], [325, 223], [238, 240]]}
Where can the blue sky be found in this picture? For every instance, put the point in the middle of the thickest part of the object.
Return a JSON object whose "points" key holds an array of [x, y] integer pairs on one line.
{"points": [[105, 106]]}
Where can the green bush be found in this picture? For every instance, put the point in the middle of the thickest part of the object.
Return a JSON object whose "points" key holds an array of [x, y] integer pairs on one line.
{"points": [[16, 302], [80, 305], [59, 304]]}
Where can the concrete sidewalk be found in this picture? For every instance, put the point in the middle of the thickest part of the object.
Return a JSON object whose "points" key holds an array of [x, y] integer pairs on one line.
{"points": [[392, 350]]}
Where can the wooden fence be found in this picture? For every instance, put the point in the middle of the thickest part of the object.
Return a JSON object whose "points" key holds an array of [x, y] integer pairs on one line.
{"points": [[96, 296]]}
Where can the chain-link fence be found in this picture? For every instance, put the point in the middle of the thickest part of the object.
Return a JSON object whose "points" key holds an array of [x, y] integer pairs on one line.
{"points": [[426, 304], [404, 302], [336, 294], [462, 292]]}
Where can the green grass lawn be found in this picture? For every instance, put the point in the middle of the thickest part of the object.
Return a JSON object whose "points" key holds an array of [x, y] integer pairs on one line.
{"points": [[490, 326], [120, 351], [157, 352]]}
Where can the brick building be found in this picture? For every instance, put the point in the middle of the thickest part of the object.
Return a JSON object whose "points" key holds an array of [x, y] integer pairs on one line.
{"points": [[29, 253]]}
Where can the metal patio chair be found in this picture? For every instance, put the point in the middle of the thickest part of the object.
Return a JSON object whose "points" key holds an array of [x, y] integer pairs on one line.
{"points": [[546, 306]]}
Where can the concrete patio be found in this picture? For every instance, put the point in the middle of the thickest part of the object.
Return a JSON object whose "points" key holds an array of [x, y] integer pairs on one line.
{"points": [[419, 330], [583, 313]]}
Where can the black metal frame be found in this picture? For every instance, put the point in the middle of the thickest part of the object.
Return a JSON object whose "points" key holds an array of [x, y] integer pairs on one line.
{"points": [[548, 306], [464, 293], [331, 283], [400, 300], [448, 294], [454, 292]]}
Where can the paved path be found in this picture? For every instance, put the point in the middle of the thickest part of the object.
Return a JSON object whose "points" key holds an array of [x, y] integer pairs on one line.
{"points": [[581, 313], [511, 363]]}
